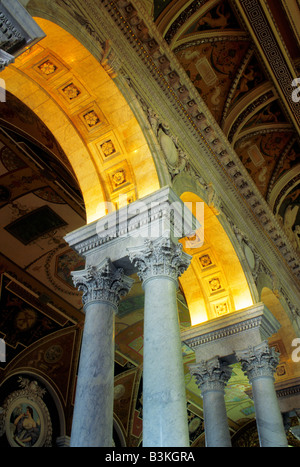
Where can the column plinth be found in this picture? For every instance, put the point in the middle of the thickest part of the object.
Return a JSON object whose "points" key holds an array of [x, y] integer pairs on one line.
{"points": [[211, 378]]}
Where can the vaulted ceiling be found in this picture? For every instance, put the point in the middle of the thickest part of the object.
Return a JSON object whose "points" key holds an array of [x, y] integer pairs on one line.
{"points": [[242, 57]]}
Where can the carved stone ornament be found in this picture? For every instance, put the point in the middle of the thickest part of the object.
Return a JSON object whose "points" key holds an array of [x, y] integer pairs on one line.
{"points": [[211, 374], [24, 417], [5, 59], [176, 159], [109, 60], [160, 257], [258, 361], [102, 283]]}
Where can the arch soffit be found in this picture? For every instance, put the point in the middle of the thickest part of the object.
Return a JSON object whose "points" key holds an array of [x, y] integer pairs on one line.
{"points": [[100, 135], [45, 9], [281, 309], [222, 286]]}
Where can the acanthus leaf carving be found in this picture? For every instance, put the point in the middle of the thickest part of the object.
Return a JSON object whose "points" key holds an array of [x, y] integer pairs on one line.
{"points": [[160, 257], [260, 360], [211, 374]]}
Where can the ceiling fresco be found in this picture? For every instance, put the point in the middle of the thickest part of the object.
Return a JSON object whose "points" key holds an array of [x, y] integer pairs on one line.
{"points": [[211, 42]]}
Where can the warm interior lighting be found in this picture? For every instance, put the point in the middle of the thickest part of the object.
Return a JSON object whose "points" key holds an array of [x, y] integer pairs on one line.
{"points": [[215, 283], [244, 300], [81, 140], [198, 312]]}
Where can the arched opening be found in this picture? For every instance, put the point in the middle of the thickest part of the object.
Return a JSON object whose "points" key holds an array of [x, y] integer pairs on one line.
{"points": [[67, 88], [215, 283]]}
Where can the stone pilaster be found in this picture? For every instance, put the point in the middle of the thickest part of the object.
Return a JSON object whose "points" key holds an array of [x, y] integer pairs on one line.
{"points": [[259, 363], [159, 263], [102, 288], [211, 378]]}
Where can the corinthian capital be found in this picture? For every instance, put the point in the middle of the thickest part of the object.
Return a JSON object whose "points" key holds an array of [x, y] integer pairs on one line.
{"points": [[211, 374], [102, 283], [160, 257], [260, 360]]}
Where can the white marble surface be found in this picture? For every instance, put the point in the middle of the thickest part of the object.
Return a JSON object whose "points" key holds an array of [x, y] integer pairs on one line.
{"points": [[211, 378], [224, 335], [93, 412], [268, 416], [164, 399]]}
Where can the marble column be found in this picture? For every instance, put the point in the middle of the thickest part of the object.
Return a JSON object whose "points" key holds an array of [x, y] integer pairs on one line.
{"points": [[259, 363], [211, 377], [159, 264], [102, 288]]}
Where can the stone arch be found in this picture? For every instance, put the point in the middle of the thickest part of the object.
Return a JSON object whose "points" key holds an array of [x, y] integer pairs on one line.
{"points": [[184, 182], [129, 169], [266, 286]]}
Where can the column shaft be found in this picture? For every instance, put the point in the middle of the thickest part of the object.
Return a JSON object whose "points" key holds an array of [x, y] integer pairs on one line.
{"points": [[269, 420], [164, 397], [159, 264], [215, 419], [211, 377], [93, 412], [102, 287]]}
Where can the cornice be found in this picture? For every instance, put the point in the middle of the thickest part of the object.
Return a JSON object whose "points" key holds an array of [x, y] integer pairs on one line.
{"points": [[158, 214], [256, 318], [288, 388]]}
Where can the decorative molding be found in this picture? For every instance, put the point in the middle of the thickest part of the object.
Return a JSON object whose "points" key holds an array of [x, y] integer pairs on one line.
{"points": [[260, 23], [226, 157], [109, 60], [5, 59], [18, 30], [159, 214], [224, 332], [28, 398], [187, 13], [224, 335], [137, 38], [288, 391]]}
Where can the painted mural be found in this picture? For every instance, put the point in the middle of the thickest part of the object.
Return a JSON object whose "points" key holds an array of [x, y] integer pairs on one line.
{"points": [[260, 154], [211, 67], [25, 419]]}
